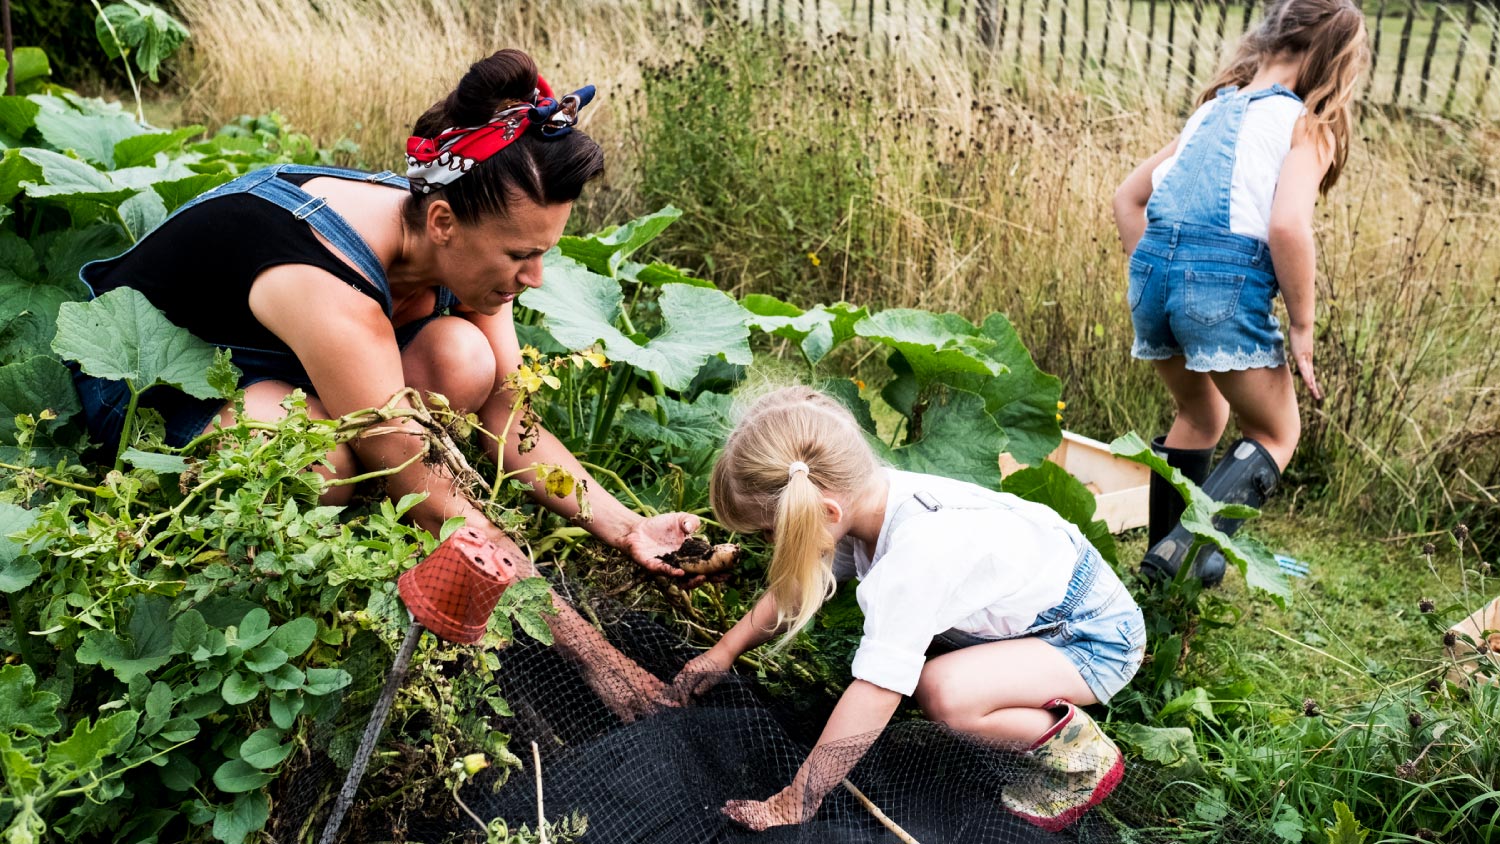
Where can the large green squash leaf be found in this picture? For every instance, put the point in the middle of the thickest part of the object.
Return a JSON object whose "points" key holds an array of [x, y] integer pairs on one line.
{"points": [[146, 645], [1050, 484], [23, 709], [120, 336], [17, 114], [28, 310], [85, 749], [92, 135], [581, 307], [958, 440], [816, 332], [74, 185], [142, 149], [933, 345], [31, 386], [607, 250], [1255, 562], [16, 169], [702, 423]]}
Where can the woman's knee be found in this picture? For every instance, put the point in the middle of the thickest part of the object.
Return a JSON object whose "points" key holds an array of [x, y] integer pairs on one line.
{"points": [[453, 358]]}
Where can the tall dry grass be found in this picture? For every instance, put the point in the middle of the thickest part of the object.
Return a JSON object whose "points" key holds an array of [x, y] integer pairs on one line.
{"points": [[905, 172]]}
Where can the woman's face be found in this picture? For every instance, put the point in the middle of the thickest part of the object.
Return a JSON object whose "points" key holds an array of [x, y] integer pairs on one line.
{"points": [[488, 263]]}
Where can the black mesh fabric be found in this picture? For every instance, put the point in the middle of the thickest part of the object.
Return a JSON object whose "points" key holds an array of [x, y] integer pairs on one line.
{"points": [[646, 773]]}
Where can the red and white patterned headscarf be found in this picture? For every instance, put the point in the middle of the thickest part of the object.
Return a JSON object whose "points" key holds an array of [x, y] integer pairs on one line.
{"points": [[432, 163]]}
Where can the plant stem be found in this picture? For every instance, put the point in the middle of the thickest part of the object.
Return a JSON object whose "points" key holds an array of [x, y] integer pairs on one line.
{"points": [[135, 397], [606, 420], [135, 88], [620, 482], [381, 473], [49, 479]]}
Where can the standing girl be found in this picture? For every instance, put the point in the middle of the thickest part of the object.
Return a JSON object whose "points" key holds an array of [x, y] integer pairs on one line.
{"points": [[1034, 622], [1216, 223]]}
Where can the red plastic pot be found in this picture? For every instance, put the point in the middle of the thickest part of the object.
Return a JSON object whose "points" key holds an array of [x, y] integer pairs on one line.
{"points": [[454, 591]]}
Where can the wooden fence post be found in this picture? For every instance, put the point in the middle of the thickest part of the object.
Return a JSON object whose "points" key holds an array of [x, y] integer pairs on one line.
{"points": [[1192, 67], [1458, 61], [1171, 38], [1150, 31], [1041, 44], [1432, 39], [1020, 30], [1489, 68], [984, 21], [1083, 43], [1411, 17], [1109, 18], [1374, 51], [1062, 37]]}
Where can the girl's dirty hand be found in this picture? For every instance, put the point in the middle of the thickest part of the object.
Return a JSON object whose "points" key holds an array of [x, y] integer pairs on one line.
{"points": [[783, 808], [658, 535], [701, 673], [1301, 342]]}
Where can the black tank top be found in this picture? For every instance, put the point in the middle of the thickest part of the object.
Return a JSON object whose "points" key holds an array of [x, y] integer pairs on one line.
{"points": [[198, 266]]}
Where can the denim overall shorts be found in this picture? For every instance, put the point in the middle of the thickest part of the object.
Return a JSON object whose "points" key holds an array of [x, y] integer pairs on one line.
{"points": [[1198, 290], [104, 401], [1097, 626]]}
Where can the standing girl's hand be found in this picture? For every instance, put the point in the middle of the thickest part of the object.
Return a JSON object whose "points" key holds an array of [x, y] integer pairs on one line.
{"points": [[1301, 341]]}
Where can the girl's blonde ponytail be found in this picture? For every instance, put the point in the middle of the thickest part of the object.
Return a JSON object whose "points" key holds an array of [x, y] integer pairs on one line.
{"points": [[800, 576], [754, 488]]}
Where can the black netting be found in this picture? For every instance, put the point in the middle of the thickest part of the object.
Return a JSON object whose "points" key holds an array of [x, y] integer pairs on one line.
{"points": [[644, 773]]}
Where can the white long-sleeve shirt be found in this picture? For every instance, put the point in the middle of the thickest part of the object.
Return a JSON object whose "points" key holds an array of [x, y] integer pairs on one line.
{"points": [[985, 563]]}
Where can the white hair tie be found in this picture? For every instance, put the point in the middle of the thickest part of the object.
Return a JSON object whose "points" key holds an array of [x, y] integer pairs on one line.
{"points": [[795, 467]]}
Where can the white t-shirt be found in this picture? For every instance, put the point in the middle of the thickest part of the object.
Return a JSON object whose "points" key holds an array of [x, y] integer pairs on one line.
{"points": [[985, 563], [1265, 139]]}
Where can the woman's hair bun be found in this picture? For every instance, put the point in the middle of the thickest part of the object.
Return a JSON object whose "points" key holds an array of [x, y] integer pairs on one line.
{"points": [[505, 78]]}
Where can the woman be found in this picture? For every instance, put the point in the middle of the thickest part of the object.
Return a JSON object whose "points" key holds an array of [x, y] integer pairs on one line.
{"points": [[353, 286]]}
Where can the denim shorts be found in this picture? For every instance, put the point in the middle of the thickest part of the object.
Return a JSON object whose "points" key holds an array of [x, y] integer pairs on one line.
{"points": [[1098, 627], [1205, 295]]}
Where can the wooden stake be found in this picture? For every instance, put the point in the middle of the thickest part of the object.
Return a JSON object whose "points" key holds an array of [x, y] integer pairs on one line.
{"points": [[541, 816], [884, 819]]}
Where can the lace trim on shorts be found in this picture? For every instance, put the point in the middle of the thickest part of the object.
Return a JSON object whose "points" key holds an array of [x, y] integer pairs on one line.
{"points": [[1239, 359], [1145, 351]]}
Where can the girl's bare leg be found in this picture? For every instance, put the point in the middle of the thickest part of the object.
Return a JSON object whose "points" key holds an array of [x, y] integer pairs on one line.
{"points": [[997, 690], [1265, 407], [1202, 411]]}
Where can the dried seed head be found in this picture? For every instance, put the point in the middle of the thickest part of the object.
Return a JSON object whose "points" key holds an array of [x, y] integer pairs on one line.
{"points": [[1406, 770], [1428, 549], [1461, 533], [1426, 605], [1310, 708], [1450, 639], [1414, 718], [1434, 684], [1425, 834]]}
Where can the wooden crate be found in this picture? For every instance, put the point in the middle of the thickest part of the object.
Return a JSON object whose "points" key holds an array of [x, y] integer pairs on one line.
{"points": [[1119, 486]]}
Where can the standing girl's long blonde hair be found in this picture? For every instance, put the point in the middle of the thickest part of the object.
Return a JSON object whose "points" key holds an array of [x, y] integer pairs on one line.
{"points": [[1328, 36], [753, 488]]}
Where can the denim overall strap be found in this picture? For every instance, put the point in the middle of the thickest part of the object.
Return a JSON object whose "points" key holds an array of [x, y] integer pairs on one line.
{"points": [[1196, 189]]}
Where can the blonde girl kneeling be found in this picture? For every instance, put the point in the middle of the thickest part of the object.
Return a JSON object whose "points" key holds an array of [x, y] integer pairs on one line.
{"points": [[1034, 621]]}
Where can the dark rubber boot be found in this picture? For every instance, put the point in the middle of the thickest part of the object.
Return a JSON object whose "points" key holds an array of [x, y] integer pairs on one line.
{"points": [[1247, 475], [1166, 502]]}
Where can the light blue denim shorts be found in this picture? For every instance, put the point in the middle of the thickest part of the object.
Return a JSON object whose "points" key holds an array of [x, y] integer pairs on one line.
{"points": [[1098, 627], [1206, 295]]}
